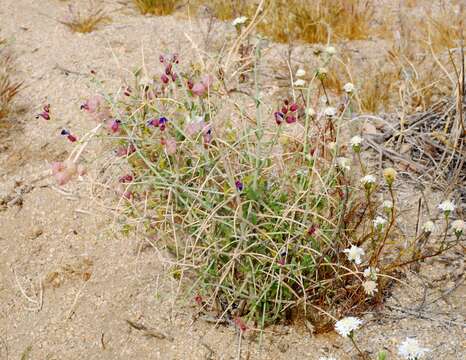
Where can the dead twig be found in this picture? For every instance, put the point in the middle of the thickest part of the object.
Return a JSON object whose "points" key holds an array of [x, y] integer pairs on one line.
{"points": [[149, 332]]}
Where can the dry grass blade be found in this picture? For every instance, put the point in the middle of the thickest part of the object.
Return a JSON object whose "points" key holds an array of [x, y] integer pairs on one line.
{"points": [[156, 7], [87, 21], [8, 87]]}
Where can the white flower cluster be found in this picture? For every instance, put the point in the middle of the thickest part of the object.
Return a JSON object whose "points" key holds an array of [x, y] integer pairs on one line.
{"points": [[458, 227], [300, 83], [343, 163], [428, 227], [354, 253], [387, 205], [356, 142], [379, 222], [447, 206], [347, 325], [370, 287], [239, 21], [330, 111], [368, 180], [411, 350], [348, 88]]}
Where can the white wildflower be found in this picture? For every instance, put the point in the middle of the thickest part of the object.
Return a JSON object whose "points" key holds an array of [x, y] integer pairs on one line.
{"points": [[310, 112], [300, 83], [300, 73], [371, 273], [354, 253], [330, 111], [239, 21], [379, 222], [368, 180], [411, 350], [370, 287], [447, 207], [428, 227], [332, 146], [347, 325], [330, 50], [327, 358], [387, 205], [356, 142], [322, 72], [458, 227], [343, 163], [348, 88]]}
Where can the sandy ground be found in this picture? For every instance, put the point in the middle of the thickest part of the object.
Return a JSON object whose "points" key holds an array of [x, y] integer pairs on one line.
{"points": [[68, 283]]}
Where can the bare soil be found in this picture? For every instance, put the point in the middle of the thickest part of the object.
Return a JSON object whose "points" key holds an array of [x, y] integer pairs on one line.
{"points": [[72, 288]]}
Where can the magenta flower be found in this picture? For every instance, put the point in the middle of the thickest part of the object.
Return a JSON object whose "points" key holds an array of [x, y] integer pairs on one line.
{"points": [[165, 79], [288, 113], [92, 104], [169, 144], [195, 126], [114, 125], [312, 230], [239, 185], [45, 114], [290, 119], [279, 117], [125, 150], [126, 178], [202, 87], [65, 171], [69, 136], [153, 122], [207, 136]]}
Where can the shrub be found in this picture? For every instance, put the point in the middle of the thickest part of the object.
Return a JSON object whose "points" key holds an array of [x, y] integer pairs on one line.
{"points": [[271, 218]]}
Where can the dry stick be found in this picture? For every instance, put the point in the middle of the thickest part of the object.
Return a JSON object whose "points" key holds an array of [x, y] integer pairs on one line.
{"points": [[238, 353], [246, 32], [71, 311]]}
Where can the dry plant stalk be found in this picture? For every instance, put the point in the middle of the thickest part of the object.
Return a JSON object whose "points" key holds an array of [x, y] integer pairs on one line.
{"points": [[87, 21], [8, 87], [156, 7]]}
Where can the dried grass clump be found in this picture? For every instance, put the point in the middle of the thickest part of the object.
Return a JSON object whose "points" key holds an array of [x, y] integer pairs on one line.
{"points": [[226, 9], [8, 87], [85, 21], [318, 21], [156, 7], [445, 27]]}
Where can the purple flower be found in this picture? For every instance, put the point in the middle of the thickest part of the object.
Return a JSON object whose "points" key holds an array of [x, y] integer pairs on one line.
{"points": [[290, 119], [239, 185], [279, 116], [163, 123], [165, 79], [153, 122], [114, 125], [70, 136]]}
